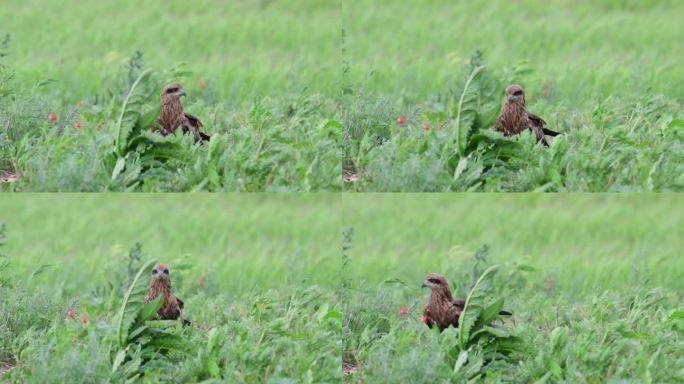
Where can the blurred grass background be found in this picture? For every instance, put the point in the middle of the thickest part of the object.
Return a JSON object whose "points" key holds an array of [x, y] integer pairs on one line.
{"points": [[586, 48], [244, 243], [240, 48], [585, 242]]}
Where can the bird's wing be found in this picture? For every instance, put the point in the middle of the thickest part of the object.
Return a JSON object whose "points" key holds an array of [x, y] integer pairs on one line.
{"points": [[453, 315], [459, 303], [536, 120], [194, 121]]}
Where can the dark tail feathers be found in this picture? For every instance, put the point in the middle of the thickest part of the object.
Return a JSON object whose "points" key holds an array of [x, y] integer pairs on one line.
{"points": [[549, 132], [505, 313]]}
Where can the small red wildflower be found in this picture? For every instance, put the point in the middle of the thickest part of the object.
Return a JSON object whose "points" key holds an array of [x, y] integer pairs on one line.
{"points": [[546, 93], [426, 127], [74, 341], [201, 84], [71, 313], [53, 117], [84, 320], [401, 120], [424, 319], [77, 125], [404, 311], [200, 283], [204, 276], [549, 283], [546, 83]]}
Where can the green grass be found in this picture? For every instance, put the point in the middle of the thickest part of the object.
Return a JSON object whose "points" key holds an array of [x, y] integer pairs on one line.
{"points": [[613, 264], [253, 70], [613, 82], [269, 292]]}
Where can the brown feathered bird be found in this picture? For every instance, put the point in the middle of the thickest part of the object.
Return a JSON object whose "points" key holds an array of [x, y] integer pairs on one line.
{"points": [[442, 309], [160, 284], [172, 116], [514, 117]]}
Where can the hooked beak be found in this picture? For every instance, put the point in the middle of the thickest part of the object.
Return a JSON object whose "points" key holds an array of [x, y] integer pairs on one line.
{"points": [[423, 285], [512, 98], [181, 92]]}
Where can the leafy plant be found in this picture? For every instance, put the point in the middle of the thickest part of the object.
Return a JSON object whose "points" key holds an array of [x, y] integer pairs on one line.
{"points": [[479, 340], [138, 339]]}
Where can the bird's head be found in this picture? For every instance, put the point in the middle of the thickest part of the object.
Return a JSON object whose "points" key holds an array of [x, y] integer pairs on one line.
{"points": [[173, 91], [435, 281], [160, 272], [515, 95]]}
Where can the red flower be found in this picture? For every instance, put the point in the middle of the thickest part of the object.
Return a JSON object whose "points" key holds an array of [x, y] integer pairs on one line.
{"points": [[546, 93], [549, 283], [424, 319], [200, 283], [204, 276], [53, 117], [84, 320], [401, 120], [546, 83], [74, 341], [201, 83], [404, 311], [78, 125], [71, 313], [426, 127]]}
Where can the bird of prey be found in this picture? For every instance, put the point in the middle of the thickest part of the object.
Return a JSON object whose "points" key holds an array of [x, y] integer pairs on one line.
{"points": [[442, 309], [172, 116], [514, 117], [172, 306]]}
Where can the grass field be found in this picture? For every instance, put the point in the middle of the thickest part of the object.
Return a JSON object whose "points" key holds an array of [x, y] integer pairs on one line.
{"points": [[264, 83], [266, 310], [600, 72], [594, 283]]}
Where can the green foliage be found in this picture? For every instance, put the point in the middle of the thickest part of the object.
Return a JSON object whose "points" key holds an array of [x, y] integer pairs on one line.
{"points": [[594, 298], [274, 121], [467, 109], [270, 313], [617, 107]]}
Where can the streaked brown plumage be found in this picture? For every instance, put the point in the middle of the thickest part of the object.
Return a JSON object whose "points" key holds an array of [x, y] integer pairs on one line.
{"points": [[160, 284], [172, 116], [514, 117], [442, 309]]}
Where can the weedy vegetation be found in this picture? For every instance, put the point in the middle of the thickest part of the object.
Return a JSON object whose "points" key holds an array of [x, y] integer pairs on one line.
{"points": [[594, 298], [78, 115], [71, 305], [422, 96]]}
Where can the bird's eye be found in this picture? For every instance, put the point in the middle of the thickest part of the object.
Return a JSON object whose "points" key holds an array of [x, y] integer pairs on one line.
{"points": [[154, 271], [433, 281], [171, 90], [517, 93], [166, 271]]}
